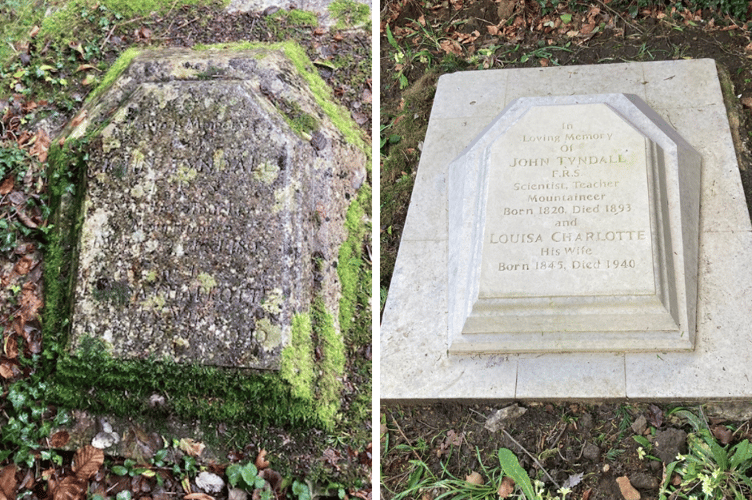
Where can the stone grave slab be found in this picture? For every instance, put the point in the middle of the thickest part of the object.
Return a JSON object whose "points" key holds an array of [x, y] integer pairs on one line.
{"points": [[444, 275], [214, 208], [573, 226]]}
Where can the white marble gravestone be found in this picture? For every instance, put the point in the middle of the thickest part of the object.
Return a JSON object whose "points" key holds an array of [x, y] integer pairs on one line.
{"points": [[439, 278], [573, 226]]}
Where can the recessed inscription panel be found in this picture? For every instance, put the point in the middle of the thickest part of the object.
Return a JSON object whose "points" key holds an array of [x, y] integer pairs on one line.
{"points": [[568, 208], [565, 231]]}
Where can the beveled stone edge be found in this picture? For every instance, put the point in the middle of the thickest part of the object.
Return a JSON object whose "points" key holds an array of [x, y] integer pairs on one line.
{"points": [[630, 107]]}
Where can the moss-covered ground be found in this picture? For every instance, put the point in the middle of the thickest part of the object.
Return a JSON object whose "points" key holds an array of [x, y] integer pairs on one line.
{"points": [[313, 419]]}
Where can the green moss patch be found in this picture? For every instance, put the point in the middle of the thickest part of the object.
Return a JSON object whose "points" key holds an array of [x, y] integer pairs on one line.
{"points": [[71, 22], [321, 91], [349, 13]]}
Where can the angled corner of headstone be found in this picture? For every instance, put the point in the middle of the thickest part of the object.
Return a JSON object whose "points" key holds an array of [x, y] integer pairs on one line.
{"points": [[213, 210], [574, 226]]}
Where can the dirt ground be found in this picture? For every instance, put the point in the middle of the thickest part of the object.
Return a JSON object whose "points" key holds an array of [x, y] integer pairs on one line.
{"points": [[592, 444]]}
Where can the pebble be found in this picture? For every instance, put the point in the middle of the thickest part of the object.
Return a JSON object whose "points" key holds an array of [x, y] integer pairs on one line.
{"points": [[592, 452], [644, 481]]}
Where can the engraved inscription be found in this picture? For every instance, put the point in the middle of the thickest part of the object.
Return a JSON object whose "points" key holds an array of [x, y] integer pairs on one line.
{"points": [[568, 204]]}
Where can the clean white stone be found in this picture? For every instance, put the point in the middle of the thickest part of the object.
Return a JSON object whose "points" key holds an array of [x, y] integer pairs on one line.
{"points": [[573, 226], [415, 363]]}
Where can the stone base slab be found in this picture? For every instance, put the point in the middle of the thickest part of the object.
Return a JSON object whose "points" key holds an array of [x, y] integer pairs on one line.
{"points": [[415, 364]]}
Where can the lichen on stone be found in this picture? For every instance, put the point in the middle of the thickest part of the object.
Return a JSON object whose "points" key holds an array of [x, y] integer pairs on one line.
{"points": [[266, 172], [207, 282]]}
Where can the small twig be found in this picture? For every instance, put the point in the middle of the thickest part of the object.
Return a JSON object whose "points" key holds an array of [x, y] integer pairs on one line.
{"points": [[533, 457], [168, 15], [119, 25], [558, 437], [412, 448], [634, 26], [186, 23]]}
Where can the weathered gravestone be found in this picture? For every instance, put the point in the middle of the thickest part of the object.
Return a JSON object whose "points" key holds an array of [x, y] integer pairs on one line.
{"points": [[217, 188], [593, 245], [574, 226]]}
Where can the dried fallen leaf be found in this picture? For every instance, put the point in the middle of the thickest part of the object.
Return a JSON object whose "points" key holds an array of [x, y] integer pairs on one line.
{"points": [[544, 62], [70, 488], [506, 487], [30, 302], [318, 31], [492, 30], [6, 372], [84, 67], [142, 34], [722, 434], [655, 415], [332, 456], [8, 483], [7, 186], [191, 447], [87, 461], [79, 119], [11, 347], [198, 496], [451, 47], [59, 439], [26, 219], [40, 147], [586, 495], [261, 461], [24, 265], [34, 31], [474, 478]]}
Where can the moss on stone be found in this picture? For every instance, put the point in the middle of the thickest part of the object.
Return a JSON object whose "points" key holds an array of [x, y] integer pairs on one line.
{"points": [[296, 17], [350, 265], [321, 91], [332, 364], [296, 367], [301, 394], [114, 72]]}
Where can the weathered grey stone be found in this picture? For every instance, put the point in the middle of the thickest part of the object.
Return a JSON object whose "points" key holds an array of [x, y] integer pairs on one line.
{"points": [[210, 219], [574, 226]]}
